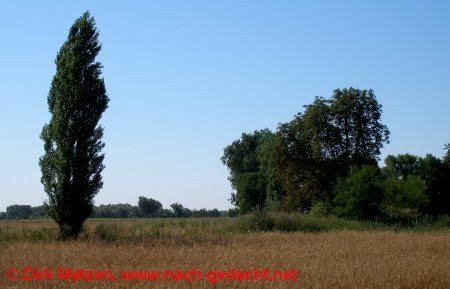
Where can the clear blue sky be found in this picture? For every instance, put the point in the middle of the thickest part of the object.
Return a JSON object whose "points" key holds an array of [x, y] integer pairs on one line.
{"points": [[186, 78]]}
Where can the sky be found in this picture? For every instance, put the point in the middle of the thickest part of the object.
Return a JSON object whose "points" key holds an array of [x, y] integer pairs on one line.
{"points": [[187, 78]]}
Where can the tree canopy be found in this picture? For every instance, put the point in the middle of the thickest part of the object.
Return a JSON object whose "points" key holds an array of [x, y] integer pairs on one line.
{"points": [[247, 160], [324, 142], [149, 207]]}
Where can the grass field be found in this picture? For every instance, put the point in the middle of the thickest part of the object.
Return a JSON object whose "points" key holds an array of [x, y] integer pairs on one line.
{"points": [[327, 253]]}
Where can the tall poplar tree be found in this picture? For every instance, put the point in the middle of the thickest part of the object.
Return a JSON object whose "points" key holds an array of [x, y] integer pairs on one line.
{"points": [[72, 164]]}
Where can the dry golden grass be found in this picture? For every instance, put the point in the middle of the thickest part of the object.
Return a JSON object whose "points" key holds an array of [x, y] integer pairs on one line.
{"points": [[327, 260]]}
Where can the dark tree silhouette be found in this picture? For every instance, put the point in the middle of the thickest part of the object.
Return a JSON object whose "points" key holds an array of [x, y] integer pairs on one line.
{"points": [[72, 164]]}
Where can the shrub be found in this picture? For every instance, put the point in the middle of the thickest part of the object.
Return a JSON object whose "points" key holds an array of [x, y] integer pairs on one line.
{"points": [[258, 220], [319, 209], [106, 233], [359, 195], [233, 212], [403, 198], [261, 220]]}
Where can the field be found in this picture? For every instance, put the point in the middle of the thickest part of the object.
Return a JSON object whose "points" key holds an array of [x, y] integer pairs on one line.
{"points": [[326, 253]]}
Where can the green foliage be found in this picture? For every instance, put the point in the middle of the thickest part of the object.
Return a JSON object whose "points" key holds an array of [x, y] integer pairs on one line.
{"points": [[324, 142], [242, 155], [320, 209], [401, 166], [177, 209], [214, 213], [39, 234], [205, 213], [166, 213], [436, 174], [233, 212], [115, 211], [247, 160], [149, 207], [430, 169], [359, 195], [403, 198], [268, 221], [72, 164], [356, 116], [274, 190], [18, 212], [250, 190], [23, 212], [294, 164], [186, 213], [325, 160], [258, 220], [294, 222], [366, 194]]}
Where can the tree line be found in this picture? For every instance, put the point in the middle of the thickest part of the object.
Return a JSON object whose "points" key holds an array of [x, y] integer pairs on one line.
{"points": [[325, 161], [146, 208]]}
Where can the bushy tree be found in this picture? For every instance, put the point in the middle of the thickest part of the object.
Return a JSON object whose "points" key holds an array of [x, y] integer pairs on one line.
{"points": [[177, 209], [186, 213], [298, 163], [356, 117], [447, 154], [323, 143], [242, 156], [401, 166], [250, 190], [274, 191], [359, 195], [431, 170], [72, 164], [202, 213], [214, 213], [149, 207], [247, 161], [367, 194], [403, 198]]}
